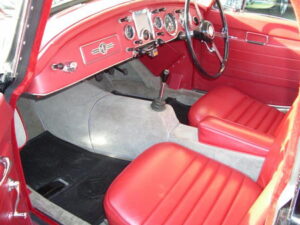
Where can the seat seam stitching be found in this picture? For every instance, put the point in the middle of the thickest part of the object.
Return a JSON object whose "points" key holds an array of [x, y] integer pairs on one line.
{"points": [[254, 113], [262, 119], [201, 195], [271, 123], [244, 111], [276, 123], [226, 134], [188, 189], [234, 199], [171, 188], [218, 195], [242, 217], [233, 108]]}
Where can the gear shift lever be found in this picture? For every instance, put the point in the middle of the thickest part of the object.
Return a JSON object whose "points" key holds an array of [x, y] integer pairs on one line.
{"points": [[159, 104]]}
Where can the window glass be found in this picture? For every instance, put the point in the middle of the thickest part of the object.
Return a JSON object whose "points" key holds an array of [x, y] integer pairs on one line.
{"points": [[278, 8]]}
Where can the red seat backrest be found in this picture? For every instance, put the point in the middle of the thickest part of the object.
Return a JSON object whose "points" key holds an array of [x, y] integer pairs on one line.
{"points": [[277, 168], [280, 145]]}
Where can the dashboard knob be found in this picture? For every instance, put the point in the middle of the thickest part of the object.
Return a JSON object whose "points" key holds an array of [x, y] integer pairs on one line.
{"points": [[155, 11], [146, 35], [125, 19], [58, 66], [179, 11], [70, 67], [138, 42], [67, 67]]}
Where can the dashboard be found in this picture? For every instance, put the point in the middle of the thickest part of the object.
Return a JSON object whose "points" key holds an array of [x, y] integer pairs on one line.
{"points": [[101, 40]]}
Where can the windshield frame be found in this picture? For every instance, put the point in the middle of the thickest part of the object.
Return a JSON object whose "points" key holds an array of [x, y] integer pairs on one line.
{"points": [[64, 4]]}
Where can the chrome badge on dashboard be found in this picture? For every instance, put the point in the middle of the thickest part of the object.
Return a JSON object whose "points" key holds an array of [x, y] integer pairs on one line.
{"points": [[99, 49]]}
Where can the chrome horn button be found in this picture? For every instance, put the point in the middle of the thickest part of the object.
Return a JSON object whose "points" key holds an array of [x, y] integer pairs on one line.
{"points": [[208, 31]]}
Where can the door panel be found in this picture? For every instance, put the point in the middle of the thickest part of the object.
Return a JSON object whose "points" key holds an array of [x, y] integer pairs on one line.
{"points": [[264, 57], [13, 208], [269, 72]]}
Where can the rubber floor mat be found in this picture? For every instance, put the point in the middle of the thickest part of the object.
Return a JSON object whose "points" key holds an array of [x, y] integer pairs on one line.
{"points": [[83, 176]]}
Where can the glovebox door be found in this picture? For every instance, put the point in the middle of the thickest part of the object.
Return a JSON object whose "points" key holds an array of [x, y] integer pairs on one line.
{"points": [[13, 207]]}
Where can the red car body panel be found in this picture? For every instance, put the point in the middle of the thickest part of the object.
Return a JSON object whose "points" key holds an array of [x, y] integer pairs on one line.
{"points": [[8, 198], [37, 83], [8, 145]]}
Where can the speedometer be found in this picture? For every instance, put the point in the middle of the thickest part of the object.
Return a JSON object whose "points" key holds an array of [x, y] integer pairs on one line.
{"points": [[170, 24]]}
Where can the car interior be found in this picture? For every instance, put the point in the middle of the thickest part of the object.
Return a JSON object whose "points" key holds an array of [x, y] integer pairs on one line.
{"points": [[161, 112]]}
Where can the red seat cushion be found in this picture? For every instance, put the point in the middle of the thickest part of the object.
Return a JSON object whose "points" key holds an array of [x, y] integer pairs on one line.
{"points": [[228, 118], [170, 184]]}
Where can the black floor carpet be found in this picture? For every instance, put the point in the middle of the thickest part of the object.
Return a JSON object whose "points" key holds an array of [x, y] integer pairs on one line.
{"points": [[47, 159], [181, 110]]}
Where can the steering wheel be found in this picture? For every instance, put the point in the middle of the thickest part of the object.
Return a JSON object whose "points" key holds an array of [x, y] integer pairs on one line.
{"points": [[206, 33]]}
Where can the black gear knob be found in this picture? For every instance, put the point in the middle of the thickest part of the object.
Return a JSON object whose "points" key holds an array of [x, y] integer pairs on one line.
{"points": [[164, 75]]}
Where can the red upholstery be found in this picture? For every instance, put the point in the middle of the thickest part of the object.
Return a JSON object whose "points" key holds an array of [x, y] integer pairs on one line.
{"points": [[231, 135], [170, 184], [228, 118]]}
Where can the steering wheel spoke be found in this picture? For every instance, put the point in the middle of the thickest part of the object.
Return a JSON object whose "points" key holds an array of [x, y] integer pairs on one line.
{"points": [[221, 34], [206, 33], [216, 50]]}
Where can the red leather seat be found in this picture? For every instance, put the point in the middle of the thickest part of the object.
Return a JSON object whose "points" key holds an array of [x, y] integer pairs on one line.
{"points": [[170, 184], [228, 118]]}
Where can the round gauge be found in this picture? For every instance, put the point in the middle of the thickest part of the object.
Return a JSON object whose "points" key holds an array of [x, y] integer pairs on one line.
{"points": [[158, 23], [170, 24], [196, 20], [129, 32], [146, 34]]}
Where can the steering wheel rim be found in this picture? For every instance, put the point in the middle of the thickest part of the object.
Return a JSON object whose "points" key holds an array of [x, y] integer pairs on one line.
{"points": [[190, 34]]}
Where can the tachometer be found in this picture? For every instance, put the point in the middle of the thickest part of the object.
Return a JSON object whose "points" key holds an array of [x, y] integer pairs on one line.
{"points": [[158, 23], [129, 32], [170, 24]]}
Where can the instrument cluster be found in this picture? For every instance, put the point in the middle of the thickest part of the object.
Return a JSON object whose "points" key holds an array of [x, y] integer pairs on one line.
{"points": [[145, 26], [84, 47]]}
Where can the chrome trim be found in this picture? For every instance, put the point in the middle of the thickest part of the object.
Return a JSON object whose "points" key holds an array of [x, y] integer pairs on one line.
{"points": [[139, 26], [257, 42], [176, 24], [281, 108], [161, 20], [5, 161], [102, 39], [15, 185], [133, 36]]}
